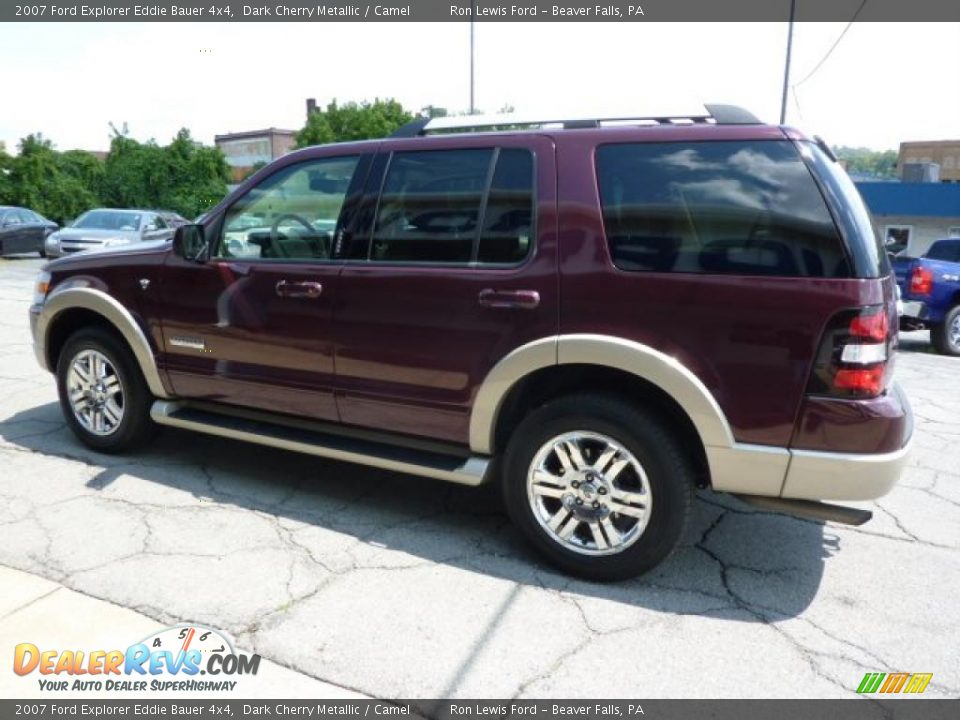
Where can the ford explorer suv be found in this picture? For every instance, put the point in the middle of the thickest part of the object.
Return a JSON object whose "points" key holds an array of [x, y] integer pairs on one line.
{"points": [[930, 288], [600, 316]]}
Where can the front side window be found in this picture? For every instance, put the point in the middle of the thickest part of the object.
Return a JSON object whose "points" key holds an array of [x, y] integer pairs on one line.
{"points": [[730, 207], [470, 206], [290, 215]]}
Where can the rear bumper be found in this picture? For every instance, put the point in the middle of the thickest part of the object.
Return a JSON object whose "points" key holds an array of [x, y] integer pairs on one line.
{"points": [[914, 309], [814, 475], [825, 474], [822, 475]]}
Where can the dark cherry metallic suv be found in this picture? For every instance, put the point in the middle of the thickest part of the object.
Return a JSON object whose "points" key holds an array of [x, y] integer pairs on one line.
{"points": [[599, 316]]}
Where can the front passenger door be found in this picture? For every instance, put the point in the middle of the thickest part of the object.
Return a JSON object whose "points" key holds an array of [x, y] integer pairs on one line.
{"points": [[253, 325]]}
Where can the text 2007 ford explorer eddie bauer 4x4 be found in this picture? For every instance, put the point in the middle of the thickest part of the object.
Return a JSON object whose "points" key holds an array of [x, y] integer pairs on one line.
{"points": [[599, 317]]}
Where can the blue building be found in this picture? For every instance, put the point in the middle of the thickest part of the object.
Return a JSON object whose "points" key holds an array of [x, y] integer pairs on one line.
{"points": [[913, 215]]}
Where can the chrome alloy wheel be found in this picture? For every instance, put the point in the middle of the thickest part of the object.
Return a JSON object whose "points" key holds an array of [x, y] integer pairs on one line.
{"points": [[95, 393], [955, 331], [589, 493]]}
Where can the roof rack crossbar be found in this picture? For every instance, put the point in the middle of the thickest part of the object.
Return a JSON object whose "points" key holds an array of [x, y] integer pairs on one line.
{"points": [[713, 113]]}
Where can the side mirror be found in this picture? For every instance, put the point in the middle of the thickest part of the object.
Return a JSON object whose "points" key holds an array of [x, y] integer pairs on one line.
{"points": [[149, 228], [190, 243]]}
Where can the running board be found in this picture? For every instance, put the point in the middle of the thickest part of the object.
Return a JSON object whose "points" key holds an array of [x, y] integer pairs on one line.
{"points": [[808, 509], [470, 470]]}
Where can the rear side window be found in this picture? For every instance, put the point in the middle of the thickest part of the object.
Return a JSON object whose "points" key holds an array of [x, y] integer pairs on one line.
{"points": [[948, 250], [740, 208], [455, 206]]}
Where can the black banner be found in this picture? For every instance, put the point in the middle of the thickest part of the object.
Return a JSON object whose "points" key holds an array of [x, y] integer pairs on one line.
{"points": [[480, 11]]}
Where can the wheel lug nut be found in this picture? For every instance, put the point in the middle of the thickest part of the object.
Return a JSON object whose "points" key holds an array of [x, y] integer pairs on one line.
{"points": [[602, 490], [579, 501], [596, 504], [574, 484]]}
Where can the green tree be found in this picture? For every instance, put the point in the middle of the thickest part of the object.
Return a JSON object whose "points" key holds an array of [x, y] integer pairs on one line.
{"points": [[199, 176], [44, 181], [253, 169], [7, 196], [353, 121], [182, 176], [882, 163]]}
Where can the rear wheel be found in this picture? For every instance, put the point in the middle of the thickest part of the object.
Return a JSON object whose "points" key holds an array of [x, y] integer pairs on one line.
{"points": [[946, 335], [601, 488], [105, 400]]}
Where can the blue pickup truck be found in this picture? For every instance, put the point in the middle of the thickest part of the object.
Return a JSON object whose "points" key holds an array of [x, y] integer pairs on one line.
{"points": [[930, 291]]}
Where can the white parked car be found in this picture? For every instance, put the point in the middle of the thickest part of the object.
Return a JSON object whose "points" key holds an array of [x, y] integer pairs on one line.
{"points": [[107, 228]]}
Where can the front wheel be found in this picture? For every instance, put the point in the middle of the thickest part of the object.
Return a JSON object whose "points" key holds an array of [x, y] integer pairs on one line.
{"points": [[601, 488], [105, 400], [946, 335]]}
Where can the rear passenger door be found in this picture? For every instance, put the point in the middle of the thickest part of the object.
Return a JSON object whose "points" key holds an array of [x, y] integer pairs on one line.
{"points": [[452, 264]]}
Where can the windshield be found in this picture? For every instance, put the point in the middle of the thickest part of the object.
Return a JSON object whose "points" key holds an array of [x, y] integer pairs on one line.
{"points": [[108, 220]]}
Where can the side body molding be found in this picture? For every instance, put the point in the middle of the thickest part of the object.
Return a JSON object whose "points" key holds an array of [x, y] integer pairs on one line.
{"points": [[116, 314], [734, 467]]}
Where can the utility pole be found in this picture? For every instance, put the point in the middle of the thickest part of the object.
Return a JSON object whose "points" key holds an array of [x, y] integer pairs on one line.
{"points": [[786, 69], [473, 12]]}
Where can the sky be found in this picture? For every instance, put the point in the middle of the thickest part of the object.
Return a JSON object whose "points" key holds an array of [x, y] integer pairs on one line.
{"points": [[884, 82]]}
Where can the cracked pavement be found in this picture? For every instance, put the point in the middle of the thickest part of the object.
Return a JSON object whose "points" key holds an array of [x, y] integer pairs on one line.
{"points": [[402, 587]]}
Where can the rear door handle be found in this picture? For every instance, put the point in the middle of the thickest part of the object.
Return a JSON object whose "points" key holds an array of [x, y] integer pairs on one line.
{"points": [[288, 289], [508, 299]]}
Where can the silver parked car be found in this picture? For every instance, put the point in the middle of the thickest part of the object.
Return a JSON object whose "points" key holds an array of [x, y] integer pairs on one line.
{"points": [[108, 228]]}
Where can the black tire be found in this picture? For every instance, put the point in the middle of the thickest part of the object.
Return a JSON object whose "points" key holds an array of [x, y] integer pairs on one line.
{"points": [[942, 336], [135, 426], [667, 466]]}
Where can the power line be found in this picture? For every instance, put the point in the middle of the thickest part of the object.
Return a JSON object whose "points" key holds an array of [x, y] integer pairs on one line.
{"points": [[834, 46]]}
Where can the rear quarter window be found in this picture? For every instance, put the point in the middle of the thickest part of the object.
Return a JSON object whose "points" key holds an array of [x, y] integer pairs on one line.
{"points": [[740, 208]]}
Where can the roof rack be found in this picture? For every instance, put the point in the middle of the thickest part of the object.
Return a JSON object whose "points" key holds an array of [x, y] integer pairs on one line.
{"points": [[712, 114]]}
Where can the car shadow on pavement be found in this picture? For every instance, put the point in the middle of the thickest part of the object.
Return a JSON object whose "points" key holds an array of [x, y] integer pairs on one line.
{"points": [[736, 563]]}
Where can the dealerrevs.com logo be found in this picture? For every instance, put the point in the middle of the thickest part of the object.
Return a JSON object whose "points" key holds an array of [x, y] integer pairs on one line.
{"points": [[182, 658], [894, 682]]}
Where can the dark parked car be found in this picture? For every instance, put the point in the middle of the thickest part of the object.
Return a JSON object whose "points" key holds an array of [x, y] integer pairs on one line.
{"points": [[23, 231], [601, 319], [930, 288]]}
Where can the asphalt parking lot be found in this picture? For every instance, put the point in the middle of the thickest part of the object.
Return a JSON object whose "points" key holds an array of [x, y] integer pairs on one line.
{"points": [[401, 587]]}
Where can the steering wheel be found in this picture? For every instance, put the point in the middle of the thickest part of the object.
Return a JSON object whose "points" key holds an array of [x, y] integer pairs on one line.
{"points": [[312, 233]]}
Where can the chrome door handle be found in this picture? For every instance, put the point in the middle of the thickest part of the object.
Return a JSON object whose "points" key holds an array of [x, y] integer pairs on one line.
{"points": [[507, 299], [285, 288]]}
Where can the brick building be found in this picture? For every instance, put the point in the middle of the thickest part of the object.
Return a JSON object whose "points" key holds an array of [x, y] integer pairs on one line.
{"points": [[244, 150]]}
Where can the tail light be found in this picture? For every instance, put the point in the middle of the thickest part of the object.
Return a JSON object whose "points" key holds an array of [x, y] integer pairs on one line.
{"points": [[921, 281], [855, 359]]}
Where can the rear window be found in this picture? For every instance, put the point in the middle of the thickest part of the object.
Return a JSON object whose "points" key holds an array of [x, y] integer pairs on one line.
{"points": [[948, 250], [741, 208]]}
